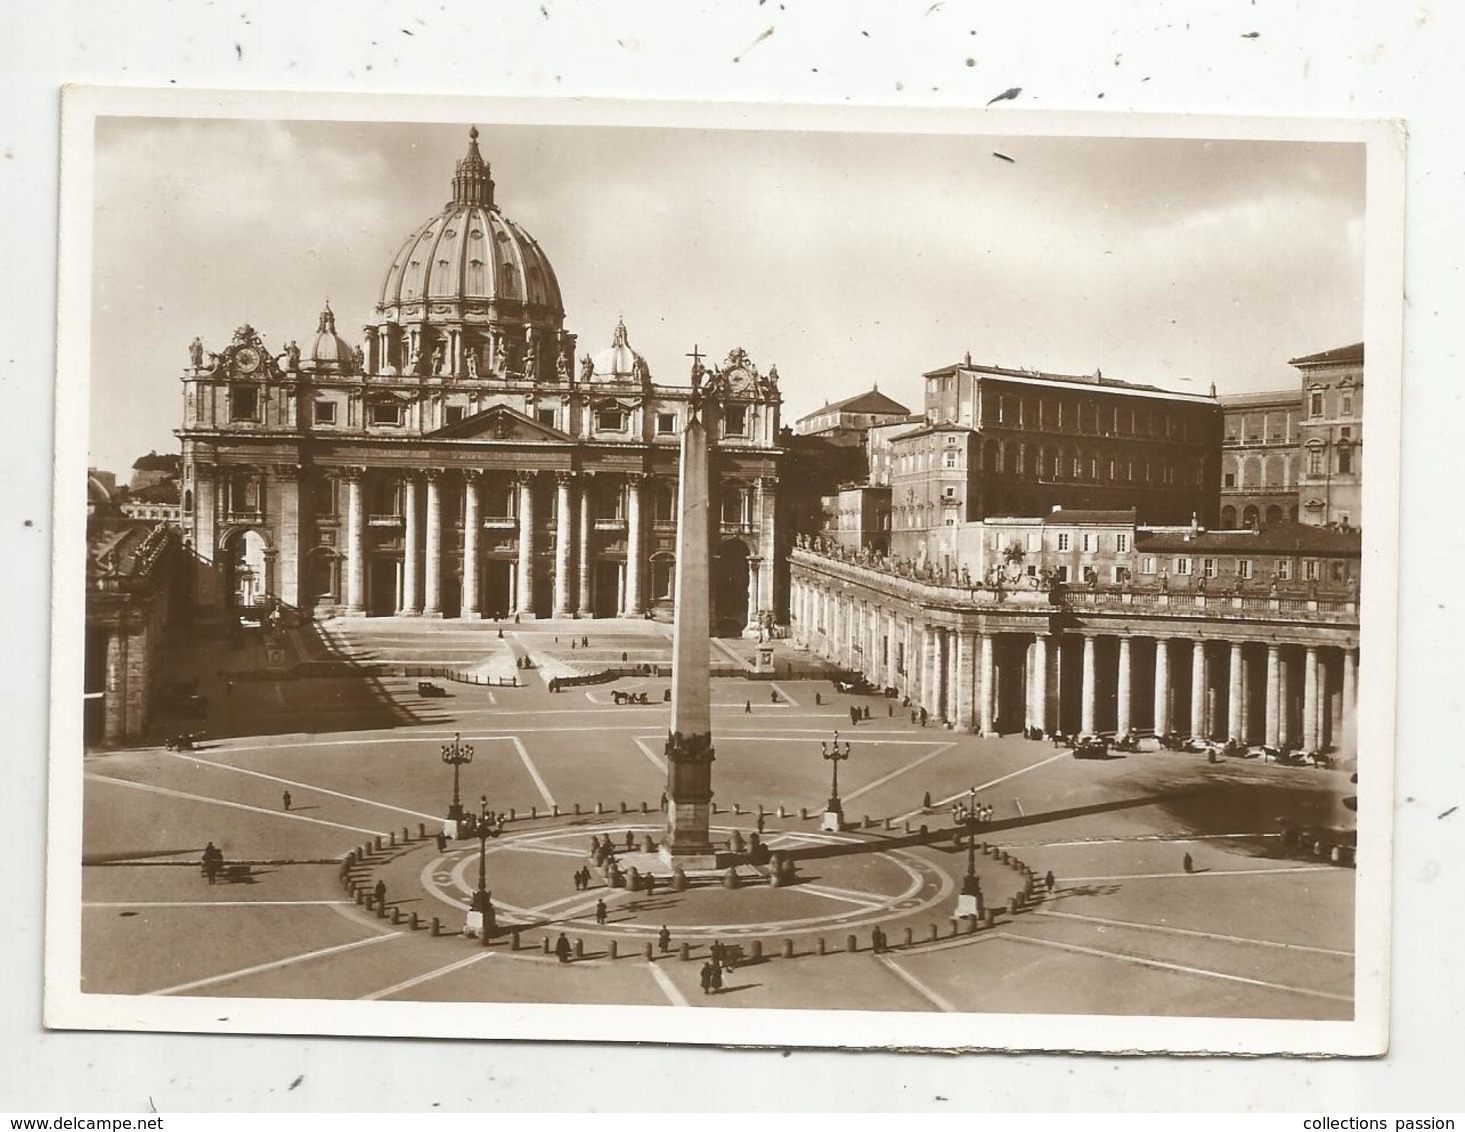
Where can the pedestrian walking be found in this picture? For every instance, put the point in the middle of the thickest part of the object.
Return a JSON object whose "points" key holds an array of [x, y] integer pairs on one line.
{"points": [[890, 711], [630, 840], [584, 642], [1188, 863], [578, 880], [663, 801], [1049, 881], [600, 911], [562, 948], [913, 715], [924, 716], [717, 978], [748, 707], [854, 715], [442, 841], [762, 820], [663, 940], [773, 696], [707, 969], [818, 700], [380, 891], [285, 800], [650, 884]]}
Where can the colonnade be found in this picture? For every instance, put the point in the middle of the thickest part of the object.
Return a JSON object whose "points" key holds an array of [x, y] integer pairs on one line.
{"points": [[989, 673]]}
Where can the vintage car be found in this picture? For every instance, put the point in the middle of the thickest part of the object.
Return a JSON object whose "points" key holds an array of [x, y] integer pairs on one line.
{"points": [[428, 689]]}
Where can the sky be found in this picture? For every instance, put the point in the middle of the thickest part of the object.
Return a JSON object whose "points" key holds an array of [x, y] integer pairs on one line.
{"points": [[847, 259]]}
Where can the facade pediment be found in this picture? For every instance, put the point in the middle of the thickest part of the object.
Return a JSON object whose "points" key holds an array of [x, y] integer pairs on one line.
{"points": [[499, 422]]}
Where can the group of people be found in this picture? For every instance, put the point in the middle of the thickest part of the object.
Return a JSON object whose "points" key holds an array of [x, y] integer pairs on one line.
{"points": [[213, 862], [857, 713], [719, 960]]}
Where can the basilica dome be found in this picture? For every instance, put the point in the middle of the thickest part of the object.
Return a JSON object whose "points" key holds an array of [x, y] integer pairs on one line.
{"points": [[471, 260], [619, 362], [329, 351]]}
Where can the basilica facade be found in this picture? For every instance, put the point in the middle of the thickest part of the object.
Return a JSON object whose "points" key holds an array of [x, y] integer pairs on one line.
{"points": [[462, 459]]}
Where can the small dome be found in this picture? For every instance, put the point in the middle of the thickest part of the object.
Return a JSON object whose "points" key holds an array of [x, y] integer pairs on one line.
{"points": [[330, 350], [619, 362]]}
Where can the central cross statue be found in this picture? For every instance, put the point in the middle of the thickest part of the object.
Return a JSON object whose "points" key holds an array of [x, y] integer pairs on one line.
{"points": [[687, 840]]}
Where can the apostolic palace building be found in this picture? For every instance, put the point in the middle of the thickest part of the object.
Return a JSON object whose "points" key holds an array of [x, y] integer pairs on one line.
{"points": [[464, 461]]}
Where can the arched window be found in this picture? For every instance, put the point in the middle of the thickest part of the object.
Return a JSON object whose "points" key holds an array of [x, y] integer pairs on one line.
{"points": [[1228, 518], [1250, 517], [1274, 515]]}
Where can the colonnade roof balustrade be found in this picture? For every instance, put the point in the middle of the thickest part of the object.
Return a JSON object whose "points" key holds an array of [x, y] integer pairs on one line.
{"points": [[1150, 606]]}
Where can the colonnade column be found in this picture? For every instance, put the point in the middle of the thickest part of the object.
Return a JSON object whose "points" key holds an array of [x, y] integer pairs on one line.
{"points": [[1284, 701], [635, 541], [1235, 720], [564, 534], [582, 571], [432, 547], [468, 607], [1348, 709], [1122, 721], [1273, 736], [1310, 699], [1088, 689], [524, 603], [1198, 689], [355, 543], [987, 699], [1038, 689], [411, 549], [965, 670], [931, 672], [1162, 687]]}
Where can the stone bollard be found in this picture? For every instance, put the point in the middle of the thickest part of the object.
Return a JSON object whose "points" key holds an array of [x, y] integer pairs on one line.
{"points": [[515, 940], [381, 910], [989, 918], [678, 879], [623, 807], [803, 813], [435, 928], [610, 949], [554, 811], [513, 814], [986, 849], [544, 945], [781, 812], [369, 900], [649, 952], [644, 808], [406, 836], [357, 894], [823, 948], [533, 811], [578, 948], [851, 943], [935, 933], [955, 927], [888, 823], [684, 952], [788, 949], [577, 809], [377, 841], [421, 830], [413, 922], [633, 879], [865, 822], [647, 845], [756, 951], [910, 936], [391, 839], [730, 879], [971, 925], [907, 827], [600, 807], [925, 831], [737, 807], [1012, 906]]}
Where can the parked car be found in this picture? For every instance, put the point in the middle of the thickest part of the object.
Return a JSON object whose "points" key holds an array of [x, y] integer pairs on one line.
{"points": [[856, 685], [428, 689]]}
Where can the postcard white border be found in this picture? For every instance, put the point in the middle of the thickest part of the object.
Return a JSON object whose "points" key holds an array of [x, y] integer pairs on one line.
{"points": [[66, 1007]]}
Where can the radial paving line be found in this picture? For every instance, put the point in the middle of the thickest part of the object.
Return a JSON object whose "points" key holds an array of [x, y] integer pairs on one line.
{"points": [[1209, 873], [231, 805], [1179, 967], [656, 760], [988, 785], [864, 900], [1139, 837], [278, 963], [941, 750], [213, 903], [1165, 928], [669, 988], [408, 984], [533, 771], [307, 786], [919, 987]]}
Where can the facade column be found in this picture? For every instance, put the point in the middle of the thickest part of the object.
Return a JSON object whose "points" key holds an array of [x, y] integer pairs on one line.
{"points": [[1284, 699], [767, 540], [1040, 681], [755, 574], [355, 543], [1122, 720], [472, 522], [1162, 687], [1348, 709], [1235, 721], [564, 535], [1310, 699], [524, 602], [966, 644], [987, 699], [635, 544], [1088, 688], [432, 547], [1198, 689], [1273, 737], [287, 580], [582, 571], [411, 549]]}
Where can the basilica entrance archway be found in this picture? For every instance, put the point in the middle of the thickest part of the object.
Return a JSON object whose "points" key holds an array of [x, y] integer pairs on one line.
{"points": [[730, 589]]}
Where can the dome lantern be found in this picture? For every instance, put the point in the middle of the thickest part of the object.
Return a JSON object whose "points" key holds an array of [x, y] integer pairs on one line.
{"points": [[472, 179]]}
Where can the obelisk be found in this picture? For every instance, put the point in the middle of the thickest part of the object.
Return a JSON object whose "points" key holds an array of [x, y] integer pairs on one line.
{"points": [[687, 839]]}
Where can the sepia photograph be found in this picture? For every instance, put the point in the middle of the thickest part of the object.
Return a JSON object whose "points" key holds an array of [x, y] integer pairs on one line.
{"points": [[878, 578]]}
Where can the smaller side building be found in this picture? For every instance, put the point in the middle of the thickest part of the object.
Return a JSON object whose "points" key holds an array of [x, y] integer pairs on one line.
{"points": [[1331, 483], [1261, 457]]}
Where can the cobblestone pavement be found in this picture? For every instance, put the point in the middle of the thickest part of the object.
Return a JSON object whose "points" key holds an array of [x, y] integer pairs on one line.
{"points": [[1247, 932]]}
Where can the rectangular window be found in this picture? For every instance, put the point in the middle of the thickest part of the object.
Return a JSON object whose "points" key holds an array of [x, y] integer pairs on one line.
{"points": [[325, 412], [325, 498], [386, 413], [611, 420], [1345, 406], [1243, 568], [1345, 461], [1063, 573], [666, 424], [951, 460], [1182, 566], [1340, 571], [1284, 569], [1147, 564], [1315, 462], [454, 413], [1088, 542], [244, 403], [1309, 570], [1315, 405], [1208, 567], [1121, 543], [545, 417], [1063, 542], [1228, 480], [735, 420]]}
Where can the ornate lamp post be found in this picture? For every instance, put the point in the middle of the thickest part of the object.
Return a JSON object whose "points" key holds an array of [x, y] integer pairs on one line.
{"points": [[967, 815], [480, 917], [834, 810], [456, 755]]}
